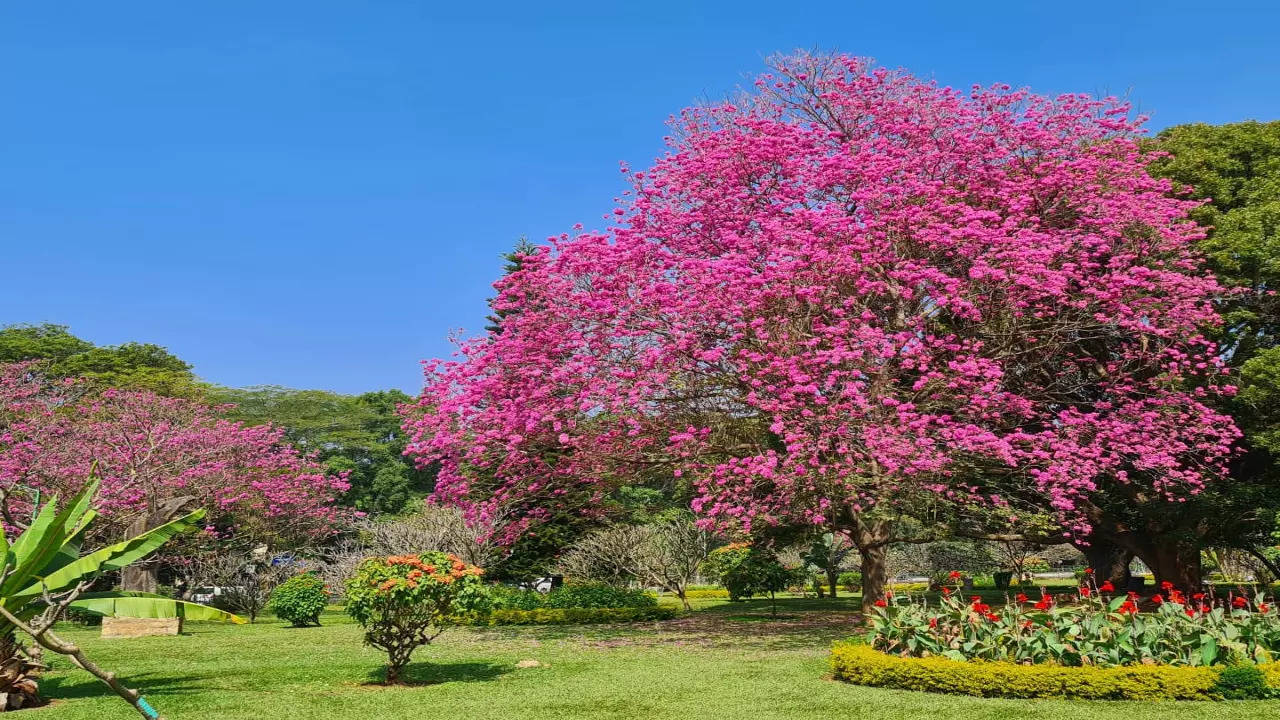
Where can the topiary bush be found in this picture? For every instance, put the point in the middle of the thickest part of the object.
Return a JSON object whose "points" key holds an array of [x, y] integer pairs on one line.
{"points": [[300, 600], [405, 601]]}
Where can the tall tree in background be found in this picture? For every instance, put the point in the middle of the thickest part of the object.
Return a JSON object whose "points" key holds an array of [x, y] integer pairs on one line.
{"points": [[1235, 170], [358, 435], [847, 291], [133, 366]]}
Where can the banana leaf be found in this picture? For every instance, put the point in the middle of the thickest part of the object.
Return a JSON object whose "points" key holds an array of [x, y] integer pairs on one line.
{"points": [[112, 557], [147, 605]]}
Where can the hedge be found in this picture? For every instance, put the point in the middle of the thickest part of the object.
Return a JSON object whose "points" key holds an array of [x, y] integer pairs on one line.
{"points": [[575, 616], [861, 665], [695, 594]]}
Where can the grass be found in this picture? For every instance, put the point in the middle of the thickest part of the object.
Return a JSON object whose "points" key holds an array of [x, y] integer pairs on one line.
{"points": [[725, 660]]}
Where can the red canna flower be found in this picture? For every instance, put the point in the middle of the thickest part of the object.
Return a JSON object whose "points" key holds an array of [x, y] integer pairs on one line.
{"points": [[1157, 599], [1107, 587], [954, 575], [933, 623], [1128, 608], [1264, 608], [1240, 602], [1084, 591], [1021, 597], [881, 603], [1166, 586]]}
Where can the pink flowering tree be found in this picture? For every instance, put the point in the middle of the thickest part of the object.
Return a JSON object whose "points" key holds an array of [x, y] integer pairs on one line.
{"points": [[158, 457], [846, 293]]}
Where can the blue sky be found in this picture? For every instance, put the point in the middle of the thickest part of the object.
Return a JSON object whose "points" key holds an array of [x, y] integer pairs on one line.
{"points": [[314, 194]]}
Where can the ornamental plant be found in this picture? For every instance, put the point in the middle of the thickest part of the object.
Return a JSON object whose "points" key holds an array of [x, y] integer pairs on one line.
{"points": [[1094, 625], [300, 600], [406, 601], [851, 289], [745, 570]]}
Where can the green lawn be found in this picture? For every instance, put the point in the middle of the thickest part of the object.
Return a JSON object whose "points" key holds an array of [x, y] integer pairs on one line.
{"points": [[724, 661]]}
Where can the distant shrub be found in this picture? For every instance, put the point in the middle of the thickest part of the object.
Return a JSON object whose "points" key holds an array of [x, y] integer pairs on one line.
{"points": [[299, 600], [574, 616], [850, 581], [598, 595], [707, 593]]}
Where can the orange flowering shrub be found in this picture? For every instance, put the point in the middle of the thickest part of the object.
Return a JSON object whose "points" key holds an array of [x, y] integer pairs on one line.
{"points": [[406, 601]]}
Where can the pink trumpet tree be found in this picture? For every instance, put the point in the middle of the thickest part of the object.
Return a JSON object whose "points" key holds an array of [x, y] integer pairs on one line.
{"points": [[157, 457], [846, 290]]}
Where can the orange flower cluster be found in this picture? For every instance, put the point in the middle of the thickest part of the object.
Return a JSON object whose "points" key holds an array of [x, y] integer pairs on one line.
{"points": [[457, 570]]}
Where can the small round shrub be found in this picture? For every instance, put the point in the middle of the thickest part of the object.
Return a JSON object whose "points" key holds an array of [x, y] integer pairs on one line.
{"points": [[1244, 681], [850, 581], [406, 601], [299, 600]]}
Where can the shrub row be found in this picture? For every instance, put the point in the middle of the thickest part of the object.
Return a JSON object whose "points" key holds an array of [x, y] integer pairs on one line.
{"points": [[584, 595], [861, 665], [713, 593], [574, 616]]}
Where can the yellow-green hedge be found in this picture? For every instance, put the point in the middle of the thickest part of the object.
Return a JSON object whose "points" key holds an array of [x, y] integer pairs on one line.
{"points": [[861, 665], [696, 594]]}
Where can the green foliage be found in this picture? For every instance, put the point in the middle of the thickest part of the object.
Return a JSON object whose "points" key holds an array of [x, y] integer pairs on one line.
{"points": [[1243, 681], [46, 558], [573, 596], [745, 570], [405, 601], [299, 600], [356, 433], [851, 581], [598, 595], [1089, 628], [862, 665], [133, 366], [576, 616]]}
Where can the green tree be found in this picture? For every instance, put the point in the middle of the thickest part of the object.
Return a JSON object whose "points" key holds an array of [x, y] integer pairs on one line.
{"points": [[356, 433], [132, 365]]}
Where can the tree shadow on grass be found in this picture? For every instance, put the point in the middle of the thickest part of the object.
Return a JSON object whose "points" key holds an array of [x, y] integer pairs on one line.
{"points": [[61, 687], [427, 673]]}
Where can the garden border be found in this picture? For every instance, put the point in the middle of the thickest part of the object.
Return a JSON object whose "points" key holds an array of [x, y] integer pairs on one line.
{"points": [[861, 665]]}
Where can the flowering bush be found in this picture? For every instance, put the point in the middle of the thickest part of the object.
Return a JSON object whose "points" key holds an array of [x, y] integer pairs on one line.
{"points": [[1091, 626], [300, 600], [406, 601]]}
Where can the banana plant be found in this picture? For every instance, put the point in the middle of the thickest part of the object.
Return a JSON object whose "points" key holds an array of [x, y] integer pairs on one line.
{"points": [[43, 573]]}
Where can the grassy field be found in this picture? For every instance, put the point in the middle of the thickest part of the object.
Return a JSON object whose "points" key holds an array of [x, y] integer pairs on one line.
{"points": [[724, 661]]}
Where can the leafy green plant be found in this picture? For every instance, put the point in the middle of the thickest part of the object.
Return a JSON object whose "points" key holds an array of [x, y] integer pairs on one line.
{"points": [[43, 576], [571, 616], [747, 570], [406, 601], [300, 600], [1093, 625], [598, 595]]}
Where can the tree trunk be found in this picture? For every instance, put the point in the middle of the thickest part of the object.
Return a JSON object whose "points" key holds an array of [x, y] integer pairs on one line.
{"points": [[833, 578], [680, 593], [18, 688], [1174, 563], [140, 577], [875, 575], [1108, 561]]}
